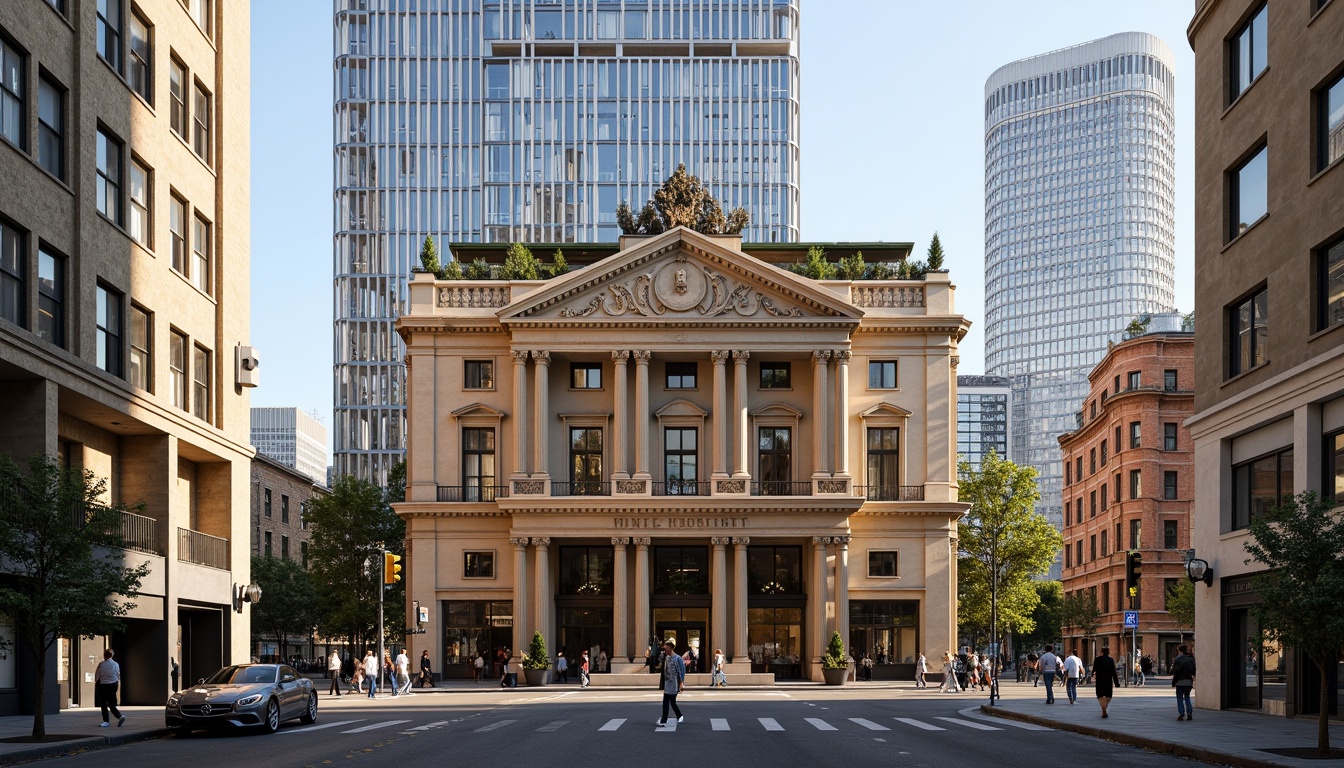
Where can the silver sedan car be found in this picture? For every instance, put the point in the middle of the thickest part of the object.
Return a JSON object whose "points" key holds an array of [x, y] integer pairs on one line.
{"points": [[244, 695]]}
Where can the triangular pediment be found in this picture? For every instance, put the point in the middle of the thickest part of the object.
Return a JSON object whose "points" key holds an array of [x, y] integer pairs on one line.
{"points": [[478, 409], [681, 408], [680, 276], [885, 409]]}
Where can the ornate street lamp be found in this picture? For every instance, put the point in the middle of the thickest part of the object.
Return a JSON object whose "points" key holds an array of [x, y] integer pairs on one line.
{"points": [[245, 593]]}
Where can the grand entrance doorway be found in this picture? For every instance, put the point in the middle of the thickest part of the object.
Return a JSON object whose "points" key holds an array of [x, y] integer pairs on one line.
{"points": [[688, 627]]}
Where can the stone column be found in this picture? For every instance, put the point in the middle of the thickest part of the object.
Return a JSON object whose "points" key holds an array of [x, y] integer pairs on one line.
{"points": [[519, 416], [721, 420], [841, 357], [739, 649], [622, 408], [521, 637], [740, 462], [820, 405], [842, 588], [642, 414], [620, 608], [641, 592], [544, 600], [541, 372], [818, 632], [718, 620]]}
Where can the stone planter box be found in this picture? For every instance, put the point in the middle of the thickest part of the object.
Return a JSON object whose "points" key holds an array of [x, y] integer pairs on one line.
{"points": [[835, 676], [536, 677]]}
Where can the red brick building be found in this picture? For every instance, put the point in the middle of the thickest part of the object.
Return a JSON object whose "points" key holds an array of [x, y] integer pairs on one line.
{"points": [[1129, 486]]}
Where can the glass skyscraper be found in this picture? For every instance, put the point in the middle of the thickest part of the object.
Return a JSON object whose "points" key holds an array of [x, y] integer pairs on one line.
{"points": [[983, 404], [531, 120], [1079, 226]]}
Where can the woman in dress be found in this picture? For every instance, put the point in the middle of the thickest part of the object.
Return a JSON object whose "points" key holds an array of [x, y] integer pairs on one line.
{"points": [[717, 679], [921, 667], [949, 676], [1105, 677]]}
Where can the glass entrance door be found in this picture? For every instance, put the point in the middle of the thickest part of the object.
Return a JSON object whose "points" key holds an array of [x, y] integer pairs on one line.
{"points": [[1243, 659], [688, 635]]}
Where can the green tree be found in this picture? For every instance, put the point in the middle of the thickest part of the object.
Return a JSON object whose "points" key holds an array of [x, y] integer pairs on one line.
{"points": [[1300, 543], [835, 657], [1003, 542], [1045, 618], [815, 265], [1181, 605], [935, 261], [1138, 326], [558, 265], [55, 534], [879, 271], [451, 271], [289, 604], [429, 258], [852, 267], [478, 270], [681, 201], [520, 264], [1079, 610]]}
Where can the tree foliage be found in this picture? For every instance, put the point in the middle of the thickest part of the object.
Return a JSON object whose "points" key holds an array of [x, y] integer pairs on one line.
{"points": [[681, 201], [1080, 611], [815, 265], [1138, 326], [60, 546], [851, 267], [520, 264], [935, 260], [536, 657], [558, 265], [429, 258], [835, 657], [478, 270], [1181, 605], [1300, 543], [289, 600], [1045, 617]]}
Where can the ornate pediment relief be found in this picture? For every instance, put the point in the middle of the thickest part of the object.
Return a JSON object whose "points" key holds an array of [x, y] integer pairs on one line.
{"points": [[680, 286]]}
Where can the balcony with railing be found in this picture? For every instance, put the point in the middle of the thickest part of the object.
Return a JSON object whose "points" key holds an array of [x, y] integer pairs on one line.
{"points": [[581, 488], [890, 492], [202, 549], [681, 488], [472, 493], [781, 488], [140, 533]]}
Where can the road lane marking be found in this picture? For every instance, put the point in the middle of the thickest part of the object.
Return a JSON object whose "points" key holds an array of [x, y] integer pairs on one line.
{"points": [[719, 724], [428, 726], [975, 714], [869, 724], [770, 724], [671, 726], [306, 729], [819, 724], [969, 724], [552, 727], [920, 724], [613, 724], [494, 726], [376, 726]]}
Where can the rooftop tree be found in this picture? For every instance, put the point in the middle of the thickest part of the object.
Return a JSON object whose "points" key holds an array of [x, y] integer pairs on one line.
{"points": [[682, 201]]}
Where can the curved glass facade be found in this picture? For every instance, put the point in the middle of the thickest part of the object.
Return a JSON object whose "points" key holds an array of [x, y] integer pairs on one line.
{"points": [[531, 120], [1079, 225]]}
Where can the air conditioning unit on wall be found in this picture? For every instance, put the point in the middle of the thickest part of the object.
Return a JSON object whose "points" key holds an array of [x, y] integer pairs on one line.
{"points": [[247, 366]]}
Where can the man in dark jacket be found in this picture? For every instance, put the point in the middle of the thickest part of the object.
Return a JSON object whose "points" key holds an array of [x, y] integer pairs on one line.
{"points": [[1183, 680]]}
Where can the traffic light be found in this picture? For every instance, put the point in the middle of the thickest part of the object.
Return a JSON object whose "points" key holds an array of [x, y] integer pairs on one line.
{"points": [[1133, 568], [391, 568]]}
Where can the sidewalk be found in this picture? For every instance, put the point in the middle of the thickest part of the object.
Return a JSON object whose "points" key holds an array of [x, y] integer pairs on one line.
{"points": [[141, 723], [1146, 717]]}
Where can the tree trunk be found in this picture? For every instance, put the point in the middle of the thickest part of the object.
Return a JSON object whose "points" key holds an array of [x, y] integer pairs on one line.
{"points": [[1323, 720], [40, 706]]}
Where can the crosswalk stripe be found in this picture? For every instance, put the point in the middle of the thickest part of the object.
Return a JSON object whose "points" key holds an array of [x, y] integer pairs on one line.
{"points": [[1023, 726], [719, 724], [920, 724], [969, 724], [671, 726], [427, 727], [613, 724], [819, 724], [494, 726], [376, 726], [320, 727], [552, 726], [770, 724], [869, 724]]}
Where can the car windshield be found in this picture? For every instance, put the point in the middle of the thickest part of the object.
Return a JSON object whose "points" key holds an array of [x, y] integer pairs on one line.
{"points": [[243, 675]]}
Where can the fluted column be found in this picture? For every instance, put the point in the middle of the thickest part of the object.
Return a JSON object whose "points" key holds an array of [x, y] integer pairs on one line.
{"points": [[739, 649], [820, 405], [618, 426], [520, 423], [818, 602], [741, 457], [641, 590], [718, 620], [543, 599], [841, 357], [620, 610], [521, 609], [842, 588], [541, 372], [641, 414], [721, 419]]}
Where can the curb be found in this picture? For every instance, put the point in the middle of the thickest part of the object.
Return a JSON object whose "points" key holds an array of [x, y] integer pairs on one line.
{"points": [[1155, 745], [77, 746]]}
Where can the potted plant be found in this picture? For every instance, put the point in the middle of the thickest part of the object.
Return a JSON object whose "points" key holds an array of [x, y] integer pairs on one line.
{"points": [[834, 664], [535, 662]]}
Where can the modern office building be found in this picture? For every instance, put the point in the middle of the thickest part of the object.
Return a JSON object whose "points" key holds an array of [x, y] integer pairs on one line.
{"points": [[1079, 225], [1129, 488], [124, 309], [292, 438], [684, 440], [531, 120], [983, 407], [1269, 300]]}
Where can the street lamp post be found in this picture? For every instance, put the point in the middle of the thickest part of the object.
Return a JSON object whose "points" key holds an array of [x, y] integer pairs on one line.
{"points": [[997, 664]]}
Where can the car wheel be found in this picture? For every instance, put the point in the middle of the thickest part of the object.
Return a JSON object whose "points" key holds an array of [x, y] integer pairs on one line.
{"points": [[310, 714], [271, 723]]}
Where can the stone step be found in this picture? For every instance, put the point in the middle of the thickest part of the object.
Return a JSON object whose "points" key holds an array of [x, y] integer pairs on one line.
{"points": [[698, 680]]}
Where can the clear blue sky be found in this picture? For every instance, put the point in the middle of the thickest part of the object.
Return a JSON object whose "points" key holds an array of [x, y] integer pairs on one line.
{"points": [[892, 148]]}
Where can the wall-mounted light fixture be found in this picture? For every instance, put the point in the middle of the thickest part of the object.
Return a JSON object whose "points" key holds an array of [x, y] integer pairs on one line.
{"points": [[1199, 570], [245, 593]]}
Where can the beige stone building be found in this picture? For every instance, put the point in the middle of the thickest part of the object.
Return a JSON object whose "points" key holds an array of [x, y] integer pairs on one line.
{"points": [[124, 270], [681, 439]]}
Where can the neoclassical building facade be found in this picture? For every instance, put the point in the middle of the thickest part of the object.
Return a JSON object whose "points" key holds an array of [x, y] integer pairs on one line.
{"points": [[688, 442]]}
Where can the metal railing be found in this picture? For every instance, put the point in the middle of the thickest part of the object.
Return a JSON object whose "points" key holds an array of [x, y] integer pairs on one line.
{"points": [[470, 493], [781, 488], [681, 488], [202, 549], [890, 492], [140, 533], [581, 488]]}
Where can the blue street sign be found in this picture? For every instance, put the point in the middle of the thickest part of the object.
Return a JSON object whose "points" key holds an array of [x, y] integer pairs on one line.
{"points": [[1131, 619]]}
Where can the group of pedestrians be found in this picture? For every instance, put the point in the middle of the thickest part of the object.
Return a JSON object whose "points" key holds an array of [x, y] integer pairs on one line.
{"points": [[396, 671], [1105, 676]]}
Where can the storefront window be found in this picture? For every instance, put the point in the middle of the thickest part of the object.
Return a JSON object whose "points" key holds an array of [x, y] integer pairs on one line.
{"points": [[774, 640], [585, 570], [775, 570], [586, 629], [887, 630], [471, 628], [681, 570]]}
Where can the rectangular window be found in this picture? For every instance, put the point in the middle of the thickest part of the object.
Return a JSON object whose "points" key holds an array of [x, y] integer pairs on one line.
{"points": [[679, 452], [1106, 600], [141, 370], [585, 460], [109, 32], [775, 376], [266, 501], [107, 182], [478, 565], [1250, 192], [1133, 381], [884, 463], [140, 223], [586, 571], [177, 369], [267, 546], [1169, 380], [1068, 512], [200, 383], [1092, 461], [1330, 281], [13, 275], [882, 374], [284, 547], [1135, 434], [200, 254], [1078, 510], [478, 464], [1169, 540], [1116, 486], [284, 508], [1103, 453], [1332, 460], [1330, 123], [1169, 436], [1092, 504], [1135, 483], [1068, 556], [776, 460], [1092, 548], [1068, 473], [177, 227], [138, 70], [1103, 544], [200, 13], [1248, 321], [1249, 49], [51, 127], [1258, 485], [479, 374], [1078, 553], [585, 375], [1135, 534], [680, 375], [108, 320], [303, 554], [1078, 469], [1117, 442], [1169, 485], [177, 91], [881, 564], [1105, 497], [200, 119], [50, 296]]}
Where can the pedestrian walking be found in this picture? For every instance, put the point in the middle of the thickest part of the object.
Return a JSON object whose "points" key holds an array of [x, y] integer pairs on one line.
{"points": [[426, 670], [357, 677], [504, 668], [977, 671], [478, 667], [584, 679], [371, 673], [921, 668], [601, 659], [674, 677], [403, 665], [1107, 677], [717, 678], [390, 671], [334, 672], [867, 664], [562, 666], [1048, 665], [174, 671], [106, 678], [1033, 676], [949, 675], [1073, 670], [1183, 680]]}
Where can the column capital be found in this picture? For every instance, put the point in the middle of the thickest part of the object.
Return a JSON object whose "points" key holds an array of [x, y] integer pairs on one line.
{"points": [[956, 360], [642, 542], [741, 354], [741, 541], [821, 540], [519, 356], [619, 541], [641, 356], [620, 355], [541, 356], [519, 544], [721, 541], [841, 355], [843, 541], [719, 356], [820, 356], [542, 541]]}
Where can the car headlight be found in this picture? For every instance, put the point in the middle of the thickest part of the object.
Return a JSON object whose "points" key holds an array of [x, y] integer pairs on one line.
{"points": [[174, 700], [248, 701]]}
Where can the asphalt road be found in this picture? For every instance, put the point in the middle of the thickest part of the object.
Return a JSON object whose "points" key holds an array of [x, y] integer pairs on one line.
{"points": [[553, 727]]}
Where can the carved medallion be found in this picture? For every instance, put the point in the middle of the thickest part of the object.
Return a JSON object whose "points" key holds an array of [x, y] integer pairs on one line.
{"points": [[679, 285]]}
